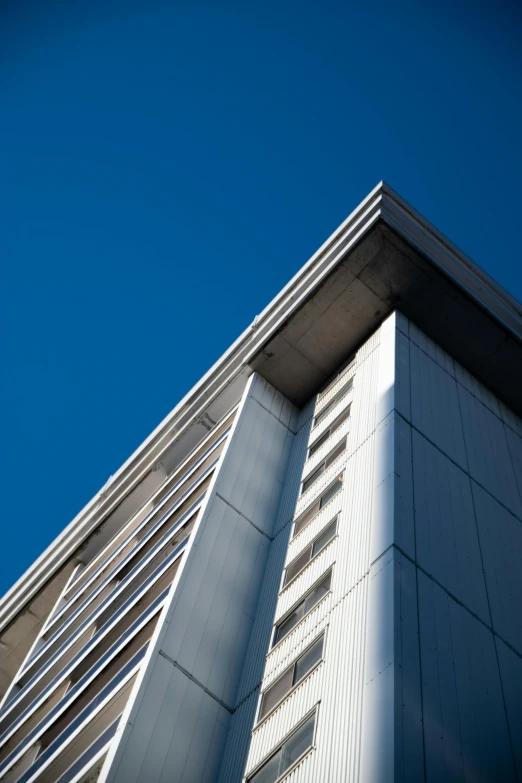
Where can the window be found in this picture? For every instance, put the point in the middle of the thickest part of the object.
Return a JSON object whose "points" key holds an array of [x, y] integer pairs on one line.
{"points": [[343, 391], [297, 565], [330, 431], [290, 751], [325, 464], [292, 676], [284, 627], [318, 504], [346, 368]]}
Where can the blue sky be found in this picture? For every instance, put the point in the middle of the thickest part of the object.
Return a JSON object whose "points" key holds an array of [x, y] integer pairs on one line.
{"points": [[165, 168]]}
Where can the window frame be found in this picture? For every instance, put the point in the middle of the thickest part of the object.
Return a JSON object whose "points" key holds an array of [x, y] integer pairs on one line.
{"points": [[310, 546], [260, 720], [316, 502], [323, 466], [321, 440], [313, 712], [346, 367], [302, 600], [341, 394]]}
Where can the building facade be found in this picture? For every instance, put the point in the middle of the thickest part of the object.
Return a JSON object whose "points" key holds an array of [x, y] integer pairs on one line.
{"points": [[310, 570]]}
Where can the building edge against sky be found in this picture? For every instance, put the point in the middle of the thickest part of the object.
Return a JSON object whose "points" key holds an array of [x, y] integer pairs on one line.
{"points": [[273, 558]]}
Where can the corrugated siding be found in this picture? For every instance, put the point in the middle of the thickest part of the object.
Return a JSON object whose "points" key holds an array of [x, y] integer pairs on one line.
{"points": [[365, 394], [336, 686], [392, 706], [465, 728], [238, 741]]}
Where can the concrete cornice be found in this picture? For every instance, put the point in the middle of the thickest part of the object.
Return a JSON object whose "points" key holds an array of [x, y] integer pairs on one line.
{"points": [[382, 205]]}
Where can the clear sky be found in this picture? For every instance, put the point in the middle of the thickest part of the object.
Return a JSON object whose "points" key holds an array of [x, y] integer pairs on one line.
{"points": [[165, 168]]}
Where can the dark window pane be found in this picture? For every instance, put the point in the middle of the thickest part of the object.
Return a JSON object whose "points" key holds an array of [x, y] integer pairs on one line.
{"points": [[318, 443], [297, 744], [319, 592], [331, 492], [308, 660], [297, 566], [313, 477], [269, 771], [340, 420], [306, 517], [290, 622], [332, 456], [324, 538], [275, 693]]}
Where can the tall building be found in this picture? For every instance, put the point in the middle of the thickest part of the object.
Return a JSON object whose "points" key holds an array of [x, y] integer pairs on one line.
{"points": [[310, 570]]}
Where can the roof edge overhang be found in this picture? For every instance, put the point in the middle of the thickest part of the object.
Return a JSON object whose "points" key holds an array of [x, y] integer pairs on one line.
{"points": [[381, 207]]}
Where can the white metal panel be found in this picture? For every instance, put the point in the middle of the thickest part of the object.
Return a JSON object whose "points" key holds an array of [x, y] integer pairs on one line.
{"points": [[435, 405], [431, 349], [261, 632], [510, 665], [510, 419], [355, 518], [392, 501], [500, 536], [515, 450], [465, 728], [274, 402], [292, 481], [393, 380], [252, 477], [477, 389], [488, 454], [208, 624], [391, 747], [446, 532]]}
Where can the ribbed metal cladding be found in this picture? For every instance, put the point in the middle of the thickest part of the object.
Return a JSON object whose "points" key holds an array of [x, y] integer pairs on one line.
{"points": [[335, 686], [238, 740]]}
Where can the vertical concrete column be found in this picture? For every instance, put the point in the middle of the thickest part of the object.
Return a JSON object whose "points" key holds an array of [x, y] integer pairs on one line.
{"points": [[392, 748], [175, 727]]}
